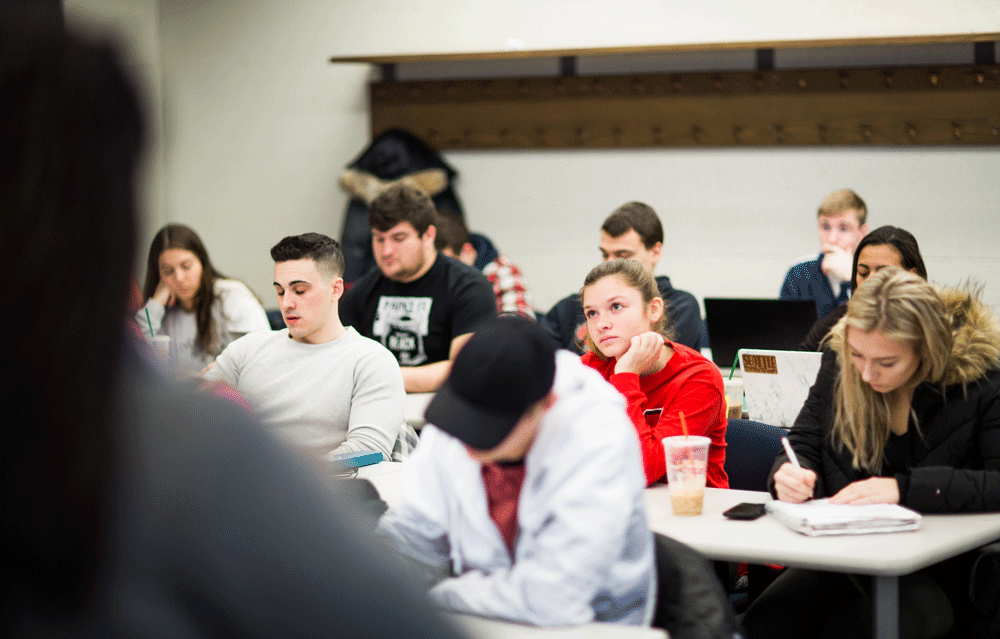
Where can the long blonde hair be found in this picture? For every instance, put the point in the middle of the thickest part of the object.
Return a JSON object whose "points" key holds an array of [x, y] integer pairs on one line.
{"points": [[638, 277], [904, 307]]}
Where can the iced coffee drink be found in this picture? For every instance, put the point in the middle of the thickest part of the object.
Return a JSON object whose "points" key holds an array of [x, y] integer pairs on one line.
{"points": [[687, 460]]}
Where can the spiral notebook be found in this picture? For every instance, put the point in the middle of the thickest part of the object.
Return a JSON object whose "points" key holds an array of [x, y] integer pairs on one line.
{"points": [[819, 517]]}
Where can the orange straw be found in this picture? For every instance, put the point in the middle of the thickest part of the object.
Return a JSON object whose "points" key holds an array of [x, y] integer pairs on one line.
{"points": [[684, 425]]}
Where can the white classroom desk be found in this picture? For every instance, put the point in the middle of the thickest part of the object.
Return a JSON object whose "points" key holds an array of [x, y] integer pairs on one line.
{"points": [[386, 479], [484, 628], [767, 541], [415, 407]]}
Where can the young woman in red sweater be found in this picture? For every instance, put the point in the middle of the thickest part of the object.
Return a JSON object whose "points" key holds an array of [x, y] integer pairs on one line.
{"points": [[629, 344]]}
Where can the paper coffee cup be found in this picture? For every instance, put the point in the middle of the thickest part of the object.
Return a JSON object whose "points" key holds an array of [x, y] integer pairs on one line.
{"points": [[687, 461]]}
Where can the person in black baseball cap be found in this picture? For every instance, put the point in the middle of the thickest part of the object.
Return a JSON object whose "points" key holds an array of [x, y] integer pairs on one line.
{"points": [[523, 499], [499, 387]]}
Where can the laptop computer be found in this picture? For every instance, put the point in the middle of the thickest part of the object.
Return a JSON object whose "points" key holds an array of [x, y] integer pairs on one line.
{"points": [[777, 383], [756, 323]]}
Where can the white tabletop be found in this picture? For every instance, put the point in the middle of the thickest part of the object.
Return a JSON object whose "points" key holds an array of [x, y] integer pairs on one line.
{"points": [[385, 477], [416, 405], [483, 628], [766, 540]]}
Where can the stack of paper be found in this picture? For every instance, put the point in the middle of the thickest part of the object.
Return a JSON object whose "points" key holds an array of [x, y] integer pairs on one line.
{"points": [[819, 517]]}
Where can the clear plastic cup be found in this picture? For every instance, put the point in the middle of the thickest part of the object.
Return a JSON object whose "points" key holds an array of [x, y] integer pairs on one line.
{"points": [[734, 397], [161, 346], [687, 460]]}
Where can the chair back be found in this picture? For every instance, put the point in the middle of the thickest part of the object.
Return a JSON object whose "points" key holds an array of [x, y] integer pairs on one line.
{"points": [[750, 451], [690, 601]]}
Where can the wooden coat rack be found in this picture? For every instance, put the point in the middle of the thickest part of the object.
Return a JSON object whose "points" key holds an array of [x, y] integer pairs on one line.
{"points": [[905, 106]]}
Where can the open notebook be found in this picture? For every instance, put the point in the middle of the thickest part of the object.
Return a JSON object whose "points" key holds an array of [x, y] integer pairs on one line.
{"points": [[819, 517]]}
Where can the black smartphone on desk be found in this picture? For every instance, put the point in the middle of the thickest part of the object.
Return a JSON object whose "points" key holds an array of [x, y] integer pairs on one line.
{"points": [[745, 511]]}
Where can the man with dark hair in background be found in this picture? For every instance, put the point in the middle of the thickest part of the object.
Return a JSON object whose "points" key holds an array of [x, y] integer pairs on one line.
{"points": [[632, 231], [324, 387], [454, 240], [420, 305]]}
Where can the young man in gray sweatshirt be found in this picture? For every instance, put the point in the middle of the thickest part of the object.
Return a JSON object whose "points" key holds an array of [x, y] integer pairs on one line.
{"points": [[318, 383]]}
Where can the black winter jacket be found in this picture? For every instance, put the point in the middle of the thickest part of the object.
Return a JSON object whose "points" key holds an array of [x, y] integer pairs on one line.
{"points": [[956, 462]]}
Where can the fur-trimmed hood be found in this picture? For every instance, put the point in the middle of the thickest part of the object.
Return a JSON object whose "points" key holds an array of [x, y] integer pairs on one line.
{"points": [[976, 348]]}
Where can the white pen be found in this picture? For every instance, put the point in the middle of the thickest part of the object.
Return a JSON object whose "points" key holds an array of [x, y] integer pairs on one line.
{"points": [[791, 453]]}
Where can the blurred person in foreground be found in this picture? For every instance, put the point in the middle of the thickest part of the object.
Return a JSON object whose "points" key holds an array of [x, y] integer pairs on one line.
{"points": [[131, 507]]}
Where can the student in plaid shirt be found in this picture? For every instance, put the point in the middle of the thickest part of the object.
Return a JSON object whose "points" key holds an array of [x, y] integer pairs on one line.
{"points": [[454, 240]]}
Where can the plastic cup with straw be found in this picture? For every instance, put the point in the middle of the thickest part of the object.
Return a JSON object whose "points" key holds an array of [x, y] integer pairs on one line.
{"points": [[686, 458], [684, 428]]}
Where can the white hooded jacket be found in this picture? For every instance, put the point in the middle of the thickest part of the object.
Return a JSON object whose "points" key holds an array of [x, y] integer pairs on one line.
{"points": [[583, 550]]}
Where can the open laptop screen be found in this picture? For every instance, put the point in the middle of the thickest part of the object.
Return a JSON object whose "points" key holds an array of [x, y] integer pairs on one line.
{"points": [[756, 323]]}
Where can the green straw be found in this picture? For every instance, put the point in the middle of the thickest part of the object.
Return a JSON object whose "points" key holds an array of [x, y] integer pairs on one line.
{"points": [[736, 360], [150, 322]]}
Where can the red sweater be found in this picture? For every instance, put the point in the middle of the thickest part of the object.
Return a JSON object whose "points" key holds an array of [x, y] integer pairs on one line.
{"points": [[689, 383]]}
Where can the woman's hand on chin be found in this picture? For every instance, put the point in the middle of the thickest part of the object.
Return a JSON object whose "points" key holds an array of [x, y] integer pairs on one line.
{"points": [[643, 352], [164, 295], [874, 490]]}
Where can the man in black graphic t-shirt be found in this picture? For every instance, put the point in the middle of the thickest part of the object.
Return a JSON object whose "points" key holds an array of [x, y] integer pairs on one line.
{"points": [[420, 305]]}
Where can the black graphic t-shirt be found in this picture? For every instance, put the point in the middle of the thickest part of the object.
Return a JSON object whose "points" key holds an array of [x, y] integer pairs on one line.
{"points": [[417, 320]]}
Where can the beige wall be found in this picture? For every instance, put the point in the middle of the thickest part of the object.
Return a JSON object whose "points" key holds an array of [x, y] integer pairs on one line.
{"points": [[256, 126]]}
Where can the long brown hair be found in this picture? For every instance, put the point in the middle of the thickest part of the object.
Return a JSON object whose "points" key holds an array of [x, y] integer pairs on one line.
{"points": [[635, 276], [901, 306], [178, 236]]}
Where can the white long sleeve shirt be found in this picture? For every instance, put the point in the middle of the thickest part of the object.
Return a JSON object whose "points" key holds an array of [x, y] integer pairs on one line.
{"points": [[236, 311]]}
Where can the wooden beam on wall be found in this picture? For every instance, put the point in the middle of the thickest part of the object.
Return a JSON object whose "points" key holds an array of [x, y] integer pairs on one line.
{"points": [[402, 58], [951, 104]]}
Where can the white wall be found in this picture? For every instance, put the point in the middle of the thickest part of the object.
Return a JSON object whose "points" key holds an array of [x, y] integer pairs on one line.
{"points": [[257, 125], [135, 25]]}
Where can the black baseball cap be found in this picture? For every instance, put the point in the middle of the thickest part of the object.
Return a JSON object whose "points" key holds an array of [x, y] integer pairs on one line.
{"points": [[504, 368]]}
